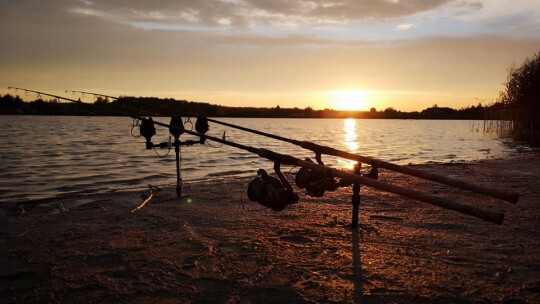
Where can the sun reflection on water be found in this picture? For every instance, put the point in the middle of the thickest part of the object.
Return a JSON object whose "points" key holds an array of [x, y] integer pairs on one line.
{"points": [[350, 141]]}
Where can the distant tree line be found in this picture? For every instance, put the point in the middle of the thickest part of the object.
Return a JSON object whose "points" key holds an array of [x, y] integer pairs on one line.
{"points": [[153, 106]]}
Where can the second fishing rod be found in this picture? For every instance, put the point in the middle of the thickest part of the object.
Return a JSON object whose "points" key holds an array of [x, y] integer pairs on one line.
{"points": [[319, 150]]}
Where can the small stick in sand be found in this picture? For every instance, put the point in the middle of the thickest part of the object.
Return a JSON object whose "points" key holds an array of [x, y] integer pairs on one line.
{"points": [[146, 201], [23, 211], [61, 207]]}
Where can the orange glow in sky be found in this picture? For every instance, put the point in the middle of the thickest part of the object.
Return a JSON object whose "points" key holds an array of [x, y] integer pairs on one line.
{"points": [[346, 55]]}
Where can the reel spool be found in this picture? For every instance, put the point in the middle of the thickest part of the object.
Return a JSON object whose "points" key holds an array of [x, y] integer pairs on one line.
{"points": [[270, 192], [147, 130], [315, 183]]}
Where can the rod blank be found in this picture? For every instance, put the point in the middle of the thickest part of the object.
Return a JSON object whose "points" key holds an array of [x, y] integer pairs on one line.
{"points": [[511, 197]]}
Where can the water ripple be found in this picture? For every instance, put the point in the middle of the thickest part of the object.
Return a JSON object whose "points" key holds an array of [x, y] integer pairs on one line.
{"points": [[73, 155]]}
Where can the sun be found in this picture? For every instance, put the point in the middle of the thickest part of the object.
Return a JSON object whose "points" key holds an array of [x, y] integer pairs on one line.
{"points": [[350, 100]]}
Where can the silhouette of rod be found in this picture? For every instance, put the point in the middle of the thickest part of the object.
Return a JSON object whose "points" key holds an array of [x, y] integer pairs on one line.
{"points": [[95, 94], [511, 197], [487, 215], [43, 93]]}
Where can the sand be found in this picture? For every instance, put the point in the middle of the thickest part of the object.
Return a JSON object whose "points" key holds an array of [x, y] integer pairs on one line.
{"points": [[209, 249]]}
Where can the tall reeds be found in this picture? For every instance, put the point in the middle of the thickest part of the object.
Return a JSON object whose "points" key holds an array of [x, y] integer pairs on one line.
{"points": [[517, 110]]}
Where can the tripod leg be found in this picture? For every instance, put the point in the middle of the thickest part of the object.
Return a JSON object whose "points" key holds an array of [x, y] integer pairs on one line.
{"points": [[178, 178]]}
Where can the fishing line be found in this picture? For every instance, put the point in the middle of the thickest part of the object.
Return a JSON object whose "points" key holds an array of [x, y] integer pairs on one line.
{"points": [[217, 146], [162, 156], [244, 206], [136, 123], [188, 120]]}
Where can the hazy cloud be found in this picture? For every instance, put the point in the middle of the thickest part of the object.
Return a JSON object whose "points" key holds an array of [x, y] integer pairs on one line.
{"points": [[236, 13], [264, 12], [404, 27]]}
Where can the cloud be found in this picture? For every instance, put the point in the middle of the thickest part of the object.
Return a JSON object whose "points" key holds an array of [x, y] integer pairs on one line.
{"points": [[337, 18], [236, 13], [404, 27], [273, 45], [262, 11]]}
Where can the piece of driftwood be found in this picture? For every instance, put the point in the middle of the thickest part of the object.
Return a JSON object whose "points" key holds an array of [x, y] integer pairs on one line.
{"points": [[147, 201]]}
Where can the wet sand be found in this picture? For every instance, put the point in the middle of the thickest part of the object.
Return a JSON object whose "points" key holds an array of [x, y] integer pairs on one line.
{"points": [[210, 250]]}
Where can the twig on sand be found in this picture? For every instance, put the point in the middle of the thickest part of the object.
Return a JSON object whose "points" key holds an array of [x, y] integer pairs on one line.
{"points": [[23, 211], [61, 207], [146, 201]]}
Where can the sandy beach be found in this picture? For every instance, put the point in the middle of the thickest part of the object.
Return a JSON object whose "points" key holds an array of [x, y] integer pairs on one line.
{"points": [[208, 249]]}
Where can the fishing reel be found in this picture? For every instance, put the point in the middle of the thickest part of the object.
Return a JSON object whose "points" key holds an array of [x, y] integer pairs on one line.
{"points": [[201, 126], [316, 182], [147, 130], [271, 192]]}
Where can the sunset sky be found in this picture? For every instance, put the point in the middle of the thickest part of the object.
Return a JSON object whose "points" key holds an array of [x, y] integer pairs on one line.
{"points": [[344, 54]]}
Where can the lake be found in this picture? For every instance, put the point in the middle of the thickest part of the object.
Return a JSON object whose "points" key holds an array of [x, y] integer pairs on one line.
{"points": [[45, 156]]}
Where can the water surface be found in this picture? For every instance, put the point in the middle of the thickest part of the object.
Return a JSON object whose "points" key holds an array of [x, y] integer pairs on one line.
{"points": [[44, 156]]}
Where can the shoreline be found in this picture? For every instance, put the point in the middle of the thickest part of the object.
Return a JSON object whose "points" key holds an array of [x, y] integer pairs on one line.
{"points": [[219, 178], [212, 251]]}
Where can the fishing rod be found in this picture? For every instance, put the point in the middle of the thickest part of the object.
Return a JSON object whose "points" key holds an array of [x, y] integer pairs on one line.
{"points": [[87, 112], [94, 94], [511, 197], [277, 193], [259, 184], [147, 130], [39, 93]]}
